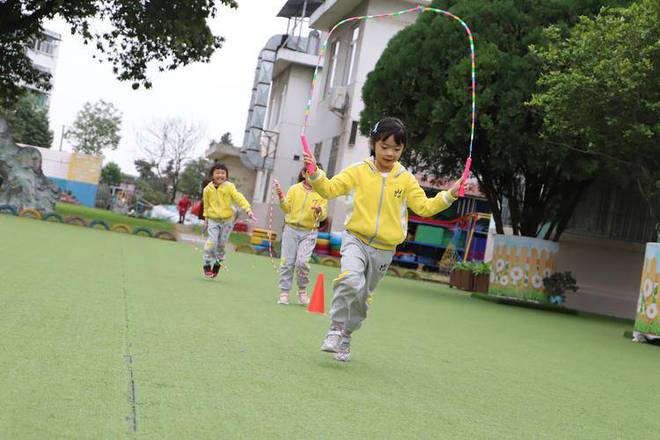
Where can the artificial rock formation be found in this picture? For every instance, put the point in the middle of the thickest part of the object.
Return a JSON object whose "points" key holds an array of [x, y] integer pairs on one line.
{"points": [[22, 183]]}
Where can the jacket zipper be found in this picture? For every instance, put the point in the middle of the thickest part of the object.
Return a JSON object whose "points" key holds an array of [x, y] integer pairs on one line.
{"points": [[380, 207], [218, 197], [302, 210]]}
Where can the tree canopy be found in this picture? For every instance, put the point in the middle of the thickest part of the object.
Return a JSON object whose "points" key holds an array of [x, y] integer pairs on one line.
{"points": [[96, 128], [600, 93], [111, 174], [423, 78], [28, 121], [194, 173], [169, 33]]}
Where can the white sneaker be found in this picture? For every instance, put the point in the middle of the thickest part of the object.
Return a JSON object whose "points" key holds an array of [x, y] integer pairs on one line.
{"points": [[343, 353], [303, 299], [284, 298], [331, 341]]}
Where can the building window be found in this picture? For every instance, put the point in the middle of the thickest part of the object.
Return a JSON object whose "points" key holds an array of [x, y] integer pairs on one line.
{"points": [[332, 66], [282, 101], [277, 104], [273, 109], [46, 46], [317, 151], [41, 98], [334, 152], [352, 55], [353, 136]]}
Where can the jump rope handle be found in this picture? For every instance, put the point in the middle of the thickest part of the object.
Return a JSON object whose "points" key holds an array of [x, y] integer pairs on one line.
{"points": [[466, 174], [278, 189], [303, 139]]}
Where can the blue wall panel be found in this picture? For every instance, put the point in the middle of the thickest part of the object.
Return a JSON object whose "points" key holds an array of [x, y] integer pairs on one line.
{"points": [[84, 192]]}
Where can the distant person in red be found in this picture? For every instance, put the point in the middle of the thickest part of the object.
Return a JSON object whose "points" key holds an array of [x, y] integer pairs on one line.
{"points": [[183, 205]]}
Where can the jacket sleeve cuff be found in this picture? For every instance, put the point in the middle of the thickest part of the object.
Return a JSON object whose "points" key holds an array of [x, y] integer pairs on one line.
{"points": [[448, 197], [317, 175]]}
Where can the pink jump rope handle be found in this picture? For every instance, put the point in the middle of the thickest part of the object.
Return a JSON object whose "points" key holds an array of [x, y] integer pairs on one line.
{"points": [[303, 139], [466, 174]]}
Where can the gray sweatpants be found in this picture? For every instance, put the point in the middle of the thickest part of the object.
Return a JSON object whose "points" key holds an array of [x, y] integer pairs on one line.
{"points": [[217, 236], [362, 267], [297, 248]]}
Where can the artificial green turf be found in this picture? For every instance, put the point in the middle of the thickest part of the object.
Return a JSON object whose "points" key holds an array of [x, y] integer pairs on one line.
{"points": [[219, 359], [112, 218]]}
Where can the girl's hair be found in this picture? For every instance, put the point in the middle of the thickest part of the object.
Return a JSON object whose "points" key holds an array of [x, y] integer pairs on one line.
{"points": [[385, 128], [205, 183], [301, 174], [218, 166]]}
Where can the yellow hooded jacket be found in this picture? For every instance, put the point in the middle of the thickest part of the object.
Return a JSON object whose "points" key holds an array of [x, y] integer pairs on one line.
{"points": [[218, 201], [298, 206], [379, 212]]}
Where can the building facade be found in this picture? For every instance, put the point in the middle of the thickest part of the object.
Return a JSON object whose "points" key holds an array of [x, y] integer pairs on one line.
{"points": [[44, 53], [283, 77], [284, 74]]}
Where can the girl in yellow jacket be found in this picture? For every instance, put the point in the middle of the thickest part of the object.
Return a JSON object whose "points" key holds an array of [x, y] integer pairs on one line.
{"points": [[304, 209], [381, 191], [219, 196]]}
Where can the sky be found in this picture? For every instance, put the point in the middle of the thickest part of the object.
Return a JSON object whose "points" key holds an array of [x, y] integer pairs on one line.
{"points": [[215, 94]]}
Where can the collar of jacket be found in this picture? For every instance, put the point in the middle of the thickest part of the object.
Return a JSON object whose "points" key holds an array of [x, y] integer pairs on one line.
{"points": [[212, 185], [397, 169]]}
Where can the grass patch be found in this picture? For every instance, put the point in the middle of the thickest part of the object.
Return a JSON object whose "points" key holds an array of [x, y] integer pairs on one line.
{"points": [[220, 359], [512, 293], [111, 218]]}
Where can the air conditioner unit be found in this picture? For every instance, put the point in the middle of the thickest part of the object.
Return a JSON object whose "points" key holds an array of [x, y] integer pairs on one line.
{"points": [[339, 99]]}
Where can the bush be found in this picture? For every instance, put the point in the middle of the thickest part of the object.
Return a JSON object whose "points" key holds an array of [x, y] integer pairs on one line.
{"points": [[481, 268], [464, 265], [557, 284]]}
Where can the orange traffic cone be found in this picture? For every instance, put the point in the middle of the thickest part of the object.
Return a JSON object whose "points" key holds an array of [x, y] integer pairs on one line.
{"points": [[317, 304]]}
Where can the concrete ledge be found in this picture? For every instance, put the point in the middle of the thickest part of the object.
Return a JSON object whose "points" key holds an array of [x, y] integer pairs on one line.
{"points": [[550, 308], [524, 303]]}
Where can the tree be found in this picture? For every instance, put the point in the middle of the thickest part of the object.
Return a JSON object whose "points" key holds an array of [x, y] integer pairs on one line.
{"points": [[96, 128], [145, 170], [28, 122], [152, 187], [170, 33], [193, 175], [150, 194], [423, 78], [111, 174], [166, 145], [226, 139], [600, 94]]}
